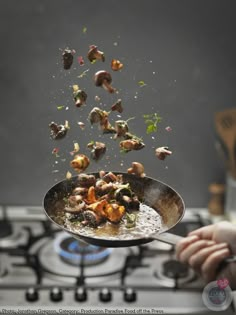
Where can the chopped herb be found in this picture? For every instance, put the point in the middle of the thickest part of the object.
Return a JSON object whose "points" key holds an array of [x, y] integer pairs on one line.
{"points": [[141, 83], [84, 30], [130, 220], [83, 73], [152, 121], [60, 107]]}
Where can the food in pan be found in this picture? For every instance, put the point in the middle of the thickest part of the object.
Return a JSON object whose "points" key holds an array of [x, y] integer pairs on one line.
{"points": [[162, 152], [97, 200]]}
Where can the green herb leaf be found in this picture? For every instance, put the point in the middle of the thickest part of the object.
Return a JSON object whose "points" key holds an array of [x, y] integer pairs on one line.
{"points": [[84, 30], [60, 107], [141, 83], [152, 121]]}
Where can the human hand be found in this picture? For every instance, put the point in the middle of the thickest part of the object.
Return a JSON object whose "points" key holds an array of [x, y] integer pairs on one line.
{"points": [[205, 248]]}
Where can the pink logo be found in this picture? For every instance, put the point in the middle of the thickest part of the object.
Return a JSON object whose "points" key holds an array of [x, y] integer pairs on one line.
{"points": [[223, 283]]}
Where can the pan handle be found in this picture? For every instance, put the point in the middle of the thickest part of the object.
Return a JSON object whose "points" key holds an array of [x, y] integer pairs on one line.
{"points": [[166, 237], [173, 239]]}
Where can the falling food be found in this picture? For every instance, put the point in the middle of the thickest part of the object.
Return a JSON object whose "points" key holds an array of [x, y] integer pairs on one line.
{"points": [[67, 57], [103, 78], [94, 54], [116, 65], [136, 169], [76, 148], [117, 106], [58, 131], [162, 152], [98, 149], [80, 97], [81, 60], [83, 74], [81, 124], [80, 162], [68, 175], [168, 128]]}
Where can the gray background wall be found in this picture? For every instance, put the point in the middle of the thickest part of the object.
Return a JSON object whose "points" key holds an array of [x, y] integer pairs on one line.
{"points": [[183, 50]]}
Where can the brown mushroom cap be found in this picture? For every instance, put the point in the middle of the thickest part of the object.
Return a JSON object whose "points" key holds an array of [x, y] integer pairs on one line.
{"points": [[91, 52], [102, 76]]}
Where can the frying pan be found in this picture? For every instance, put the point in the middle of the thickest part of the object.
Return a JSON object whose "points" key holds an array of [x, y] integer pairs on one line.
{"points": [[156, 195]]}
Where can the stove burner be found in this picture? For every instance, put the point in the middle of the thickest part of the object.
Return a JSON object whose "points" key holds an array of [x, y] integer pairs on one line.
{"points": [[174, 269], [173, 272], [74, 251], [5, 228], [57, 268]]}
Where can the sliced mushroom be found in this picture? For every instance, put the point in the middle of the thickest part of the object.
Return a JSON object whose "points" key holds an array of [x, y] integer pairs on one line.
{"points": [[98, 149], [131, 144], [57, 131], [109, 177], [103, 78], [80, 162], [92, 219], [85, 180], [79, 97], [117, 106], [94, 54], [121, 128], [162, 152], [136, 169]]}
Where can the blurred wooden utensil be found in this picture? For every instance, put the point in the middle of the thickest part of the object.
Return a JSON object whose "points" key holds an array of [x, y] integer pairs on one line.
{"points": [[225, 123]]}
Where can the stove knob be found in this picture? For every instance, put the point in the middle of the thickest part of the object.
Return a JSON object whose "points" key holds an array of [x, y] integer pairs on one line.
{"points": [[32, 295], [105, 295], [130, 295], [56, 294], [81, 295]]}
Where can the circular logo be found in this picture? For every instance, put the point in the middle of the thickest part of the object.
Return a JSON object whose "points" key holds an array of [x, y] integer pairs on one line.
{"points": [[217, 298]]}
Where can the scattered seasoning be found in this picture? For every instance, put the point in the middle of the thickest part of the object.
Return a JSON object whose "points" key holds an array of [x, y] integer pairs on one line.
{"points": [[168, 128], [81, 124], [97, 98], [83, 73], [55, 152], [76, 148], [141, 83], [81, 60], [116, 65], [67, 57], [152, 121]]}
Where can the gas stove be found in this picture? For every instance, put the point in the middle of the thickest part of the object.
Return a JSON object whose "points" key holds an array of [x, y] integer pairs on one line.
{"points": [[45, 270]]}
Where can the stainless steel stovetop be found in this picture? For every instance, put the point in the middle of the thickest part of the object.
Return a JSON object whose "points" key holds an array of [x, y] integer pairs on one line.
{"points": [[43, 269]]}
